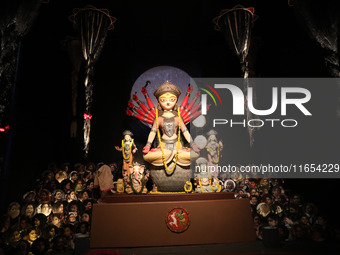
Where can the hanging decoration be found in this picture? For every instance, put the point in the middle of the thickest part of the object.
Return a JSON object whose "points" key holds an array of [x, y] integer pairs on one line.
{"points": [[16, 19], [93, 25], [324, 31], [4, 129], [236, 25]]}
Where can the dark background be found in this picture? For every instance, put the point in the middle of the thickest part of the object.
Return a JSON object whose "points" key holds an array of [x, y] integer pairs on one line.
{"points": [[146, 34]]}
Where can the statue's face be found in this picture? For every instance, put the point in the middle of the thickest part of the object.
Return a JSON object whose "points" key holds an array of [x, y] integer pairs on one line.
{"points": [[205, 181], [167, 101], [127, 138], [212, 139], [203, 167], [137, 172]]}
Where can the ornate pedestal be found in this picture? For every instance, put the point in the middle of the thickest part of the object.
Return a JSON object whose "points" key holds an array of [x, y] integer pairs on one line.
{"points": [[150, 220], [173, 181]]}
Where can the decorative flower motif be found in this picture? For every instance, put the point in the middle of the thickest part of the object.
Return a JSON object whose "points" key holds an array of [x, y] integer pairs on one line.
{"points": [[4, 129], [178, 220], [235, 8], [91, 7], [87, 116]]}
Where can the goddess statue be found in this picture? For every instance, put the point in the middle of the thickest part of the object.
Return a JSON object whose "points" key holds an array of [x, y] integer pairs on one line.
{"points": [[214, 148], [128, 148], [170, 161]]}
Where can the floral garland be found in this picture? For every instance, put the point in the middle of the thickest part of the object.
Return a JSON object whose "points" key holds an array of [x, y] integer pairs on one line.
{"points": [[219, 187], [123, 150], [166, 192], [155, 191], [190, 187], [178, 142]]}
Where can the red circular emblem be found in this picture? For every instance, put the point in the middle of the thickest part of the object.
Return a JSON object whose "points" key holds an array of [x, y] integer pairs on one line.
{"points": [[178, 220]]}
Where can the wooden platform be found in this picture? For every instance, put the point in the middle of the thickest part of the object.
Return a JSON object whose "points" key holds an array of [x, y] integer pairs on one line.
{"points": [[139, 220], [125, 198]]}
